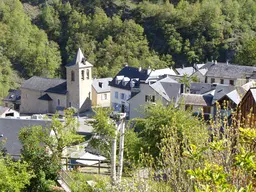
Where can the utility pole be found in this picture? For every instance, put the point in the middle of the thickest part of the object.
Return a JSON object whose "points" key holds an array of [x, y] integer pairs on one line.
{"points": [[121, 149]]}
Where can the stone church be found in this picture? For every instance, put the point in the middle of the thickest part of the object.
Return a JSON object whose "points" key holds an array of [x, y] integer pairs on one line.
{"points": [[48, 95]]}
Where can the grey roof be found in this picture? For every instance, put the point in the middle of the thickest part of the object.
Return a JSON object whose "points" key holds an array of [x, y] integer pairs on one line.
{"points": [[3, 109], [50, 85], [79, 60], [186, 70], [201, 88], [220, 91], [196, 99], [230, 71], [253, 90], [167, 88], [13, 96], [45, 97], [10, 129], [134, 74], [102, 85]]}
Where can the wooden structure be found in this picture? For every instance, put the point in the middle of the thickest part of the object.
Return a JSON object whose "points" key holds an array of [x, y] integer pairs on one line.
{"points": [[248, 108]]}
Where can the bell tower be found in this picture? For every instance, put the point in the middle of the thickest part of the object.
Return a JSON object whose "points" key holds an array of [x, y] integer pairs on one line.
{"points": [[79, 82]]}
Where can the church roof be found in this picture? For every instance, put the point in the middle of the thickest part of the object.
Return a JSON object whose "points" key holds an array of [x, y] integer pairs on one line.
{"points": [[45, 97], [79, 60], [58, 86]]}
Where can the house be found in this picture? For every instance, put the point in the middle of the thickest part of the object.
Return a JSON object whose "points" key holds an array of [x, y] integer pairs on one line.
{"points": [[165, 91], [128, 81], [46, 95], [8, 112], [101, 92], [196, 103], [234, 97], [124, 84], [12, 100], [248, 108], [196, 70], [229, 74]]}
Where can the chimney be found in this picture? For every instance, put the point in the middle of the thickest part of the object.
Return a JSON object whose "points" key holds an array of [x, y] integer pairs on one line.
{"points": [[227, 62], [125, 64], [215, 62], [139, 68]]}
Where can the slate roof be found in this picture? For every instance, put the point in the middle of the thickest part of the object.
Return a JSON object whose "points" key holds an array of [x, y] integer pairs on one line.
{"points": [[102, 85], [159, 72], [200, 88], [196, 99], [186, 70], [45, 97], [167, 89], [230, 71], [131, 73], [220, 91], [10, 129], [79, 60], [3, 109], [50, 85], [13, 95]]}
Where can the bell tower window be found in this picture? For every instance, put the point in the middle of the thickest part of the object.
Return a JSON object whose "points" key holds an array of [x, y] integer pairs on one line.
{"points": [[82, 74], [72, 76], [87, 73]]}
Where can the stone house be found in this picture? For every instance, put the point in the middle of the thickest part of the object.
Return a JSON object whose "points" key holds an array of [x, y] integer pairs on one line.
{"points": [[229, 74]]}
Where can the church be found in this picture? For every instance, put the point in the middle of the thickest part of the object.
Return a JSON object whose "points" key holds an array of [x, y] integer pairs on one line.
{"points": [[48, 95]]}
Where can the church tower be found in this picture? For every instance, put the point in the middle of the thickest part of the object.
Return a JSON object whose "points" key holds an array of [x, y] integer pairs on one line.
{"points": [[79, 82]]}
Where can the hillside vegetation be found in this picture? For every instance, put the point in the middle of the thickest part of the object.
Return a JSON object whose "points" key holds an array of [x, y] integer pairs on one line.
{"points": [[39, 37]]}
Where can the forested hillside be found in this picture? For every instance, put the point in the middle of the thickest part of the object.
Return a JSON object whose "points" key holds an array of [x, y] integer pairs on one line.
{"points": [[39, 37]]}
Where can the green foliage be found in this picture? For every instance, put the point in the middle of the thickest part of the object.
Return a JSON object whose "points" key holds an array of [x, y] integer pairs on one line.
{"points": [[247, 54], [161, 120], [14, 175], [43, 151]]}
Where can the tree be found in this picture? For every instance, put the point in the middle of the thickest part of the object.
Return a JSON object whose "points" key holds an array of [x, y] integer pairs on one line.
{"points": [[15, 175], [106, 129], [43, 150], [247, 54]]}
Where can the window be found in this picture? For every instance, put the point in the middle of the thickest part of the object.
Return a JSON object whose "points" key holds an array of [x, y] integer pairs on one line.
{"points": [[87, 73], [212, 80], [231, 82], [122, 96], [72, 76], [188, 107], [149, 98], [205, 79], [221, 81], [6, 104], [104, 96], [116, 95], [69, 104], [58, 102], [82, 74]]}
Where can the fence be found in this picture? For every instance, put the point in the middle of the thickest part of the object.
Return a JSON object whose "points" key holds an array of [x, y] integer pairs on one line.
{"points": [[99, 167]]}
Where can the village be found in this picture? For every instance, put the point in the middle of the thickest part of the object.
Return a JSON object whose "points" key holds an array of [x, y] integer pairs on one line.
{"points": [[199, 89]]}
